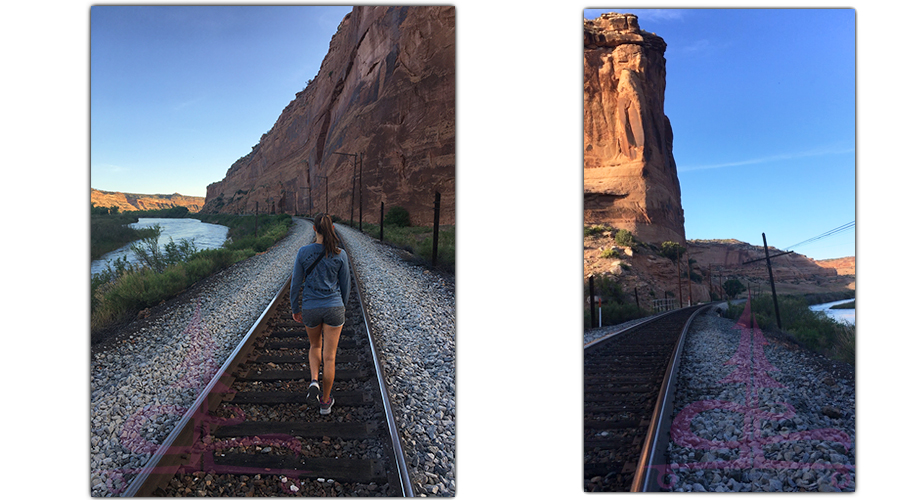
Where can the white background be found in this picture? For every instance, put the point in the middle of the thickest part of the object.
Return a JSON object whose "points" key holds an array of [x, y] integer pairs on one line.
{"points": [[519, 187]]}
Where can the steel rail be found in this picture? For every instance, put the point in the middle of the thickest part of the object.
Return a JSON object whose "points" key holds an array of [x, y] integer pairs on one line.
{"points": [[400, 459], [661, 422], [635, 326], [139, 486]]}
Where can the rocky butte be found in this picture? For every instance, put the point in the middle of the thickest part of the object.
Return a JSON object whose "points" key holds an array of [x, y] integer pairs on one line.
{"points": [[385, 92], [630, 180]]}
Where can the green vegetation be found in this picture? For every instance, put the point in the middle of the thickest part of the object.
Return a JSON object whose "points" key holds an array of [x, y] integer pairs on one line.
{"points": [[847, 305], [417, 240], [615, 303], [609, 253], [815, 330], [397, 216], [822, 298], [733, 287], [624, 238], [123, 289], [249, 231], [597, 230], [671, 250]]}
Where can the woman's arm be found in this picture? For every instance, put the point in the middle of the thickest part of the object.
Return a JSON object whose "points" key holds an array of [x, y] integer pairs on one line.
{"points": [[344, 278], [296, 284]]}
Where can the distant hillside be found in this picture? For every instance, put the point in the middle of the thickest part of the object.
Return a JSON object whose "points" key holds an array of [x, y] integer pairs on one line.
{"points": [[130, 201], [712, 262], [845, 265]]}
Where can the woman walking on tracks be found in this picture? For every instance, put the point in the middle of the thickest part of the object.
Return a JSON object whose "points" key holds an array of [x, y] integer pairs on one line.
{"points": [[322, 271]]}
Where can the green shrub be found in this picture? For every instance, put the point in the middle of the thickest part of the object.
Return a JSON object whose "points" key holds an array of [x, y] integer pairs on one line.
{"points": [[397, 216], [624, 238], [595, 230], [613, 313], [733, 287], [672, 250], [609, 253]]}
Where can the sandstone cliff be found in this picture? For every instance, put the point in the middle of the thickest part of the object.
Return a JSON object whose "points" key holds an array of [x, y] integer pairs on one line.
{"points": [[130, 202], [630, 179], [384, 91]]}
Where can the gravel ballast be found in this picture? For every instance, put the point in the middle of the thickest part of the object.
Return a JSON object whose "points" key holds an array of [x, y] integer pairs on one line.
{"points": [[142, 381], [412, 315], [755, 413]]}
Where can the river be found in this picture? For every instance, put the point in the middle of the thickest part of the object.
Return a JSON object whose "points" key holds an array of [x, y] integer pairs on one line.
{"points": [[204, 235], [845, 315]]}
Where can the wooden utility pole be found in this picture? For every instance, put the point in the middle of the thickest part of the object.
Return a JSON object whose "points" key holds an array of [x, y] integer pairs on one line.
{"points": [[772, 281], [360, 190], [768, 260]]}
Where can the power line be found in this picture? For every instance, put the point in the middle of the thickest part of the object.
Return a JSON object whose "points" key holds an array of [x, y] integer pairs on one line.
{"points": [[826, 234]]}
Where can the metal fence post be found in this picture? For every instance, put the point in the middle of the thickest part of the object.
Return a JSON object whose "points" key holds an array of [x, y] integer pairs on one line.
{"points": [[591, 304], [437, 213]]}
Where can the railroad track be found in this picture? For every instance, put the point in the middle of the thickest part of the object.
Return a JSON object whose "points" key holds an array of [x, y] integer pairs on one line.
{"points": [[627, 383], [250, 432]]}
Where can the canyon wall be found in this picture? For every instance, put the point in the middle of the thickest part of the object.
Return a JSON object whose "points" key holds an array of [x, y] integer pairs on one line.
{"points": [[630, 179], [128, 202], [385, 92]]}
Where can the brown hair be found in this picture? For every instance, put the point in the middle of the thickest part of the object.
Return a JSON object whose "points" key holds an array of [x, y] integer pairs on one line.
{"points": [[324, 226]]}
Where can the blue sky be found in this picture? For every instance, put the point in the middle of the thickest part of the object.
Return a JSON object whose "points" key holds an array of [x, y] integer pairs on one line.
{"points": [[180, 93], [762, 104]]}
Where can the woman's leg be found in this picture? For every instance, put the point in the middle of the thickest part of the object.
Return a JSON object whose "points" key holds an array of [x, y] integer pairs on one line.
{"points": [[315, 350], [332, 335]]}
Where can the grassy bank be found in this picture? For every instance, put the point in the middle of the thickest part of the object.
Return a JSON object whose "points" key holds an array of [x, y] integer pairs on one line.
{"points": [[814, 330], [122, 290], [419, 241], [822, 298]]}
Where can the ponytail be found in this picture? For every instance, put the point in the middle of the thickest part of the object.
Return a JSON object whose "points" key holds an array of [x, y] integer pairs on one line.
{"points": [[324, 226]]}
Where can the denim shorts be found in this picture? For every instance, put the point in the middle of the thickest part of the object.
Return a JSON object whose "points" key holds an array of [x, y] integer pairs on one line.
{"points": [[331, 316]]}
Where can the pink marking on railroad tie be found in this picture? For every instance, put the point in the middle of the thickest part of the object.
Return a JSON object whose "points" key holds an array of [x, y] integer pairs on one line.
{"points": [[751, 369], [198, 368]]}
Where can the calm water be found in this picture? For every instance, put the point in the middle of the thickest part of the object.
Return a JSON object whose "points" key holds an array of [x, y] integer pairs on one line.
{"points": [[845, 315], [204, 235]]}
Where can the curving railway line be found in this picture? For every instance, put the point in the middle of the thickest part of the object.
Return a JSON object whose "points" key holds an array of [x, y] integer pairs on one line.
{"points": [[250, 431], [628, 381]]}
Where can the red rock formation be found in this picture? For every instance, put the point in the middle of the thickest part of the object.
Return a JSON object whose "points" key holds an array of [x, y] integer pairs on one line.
{"points": [[630, 179], [729, 257], [128, 202], [385, 91], [845, 266], [712, 263]]}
